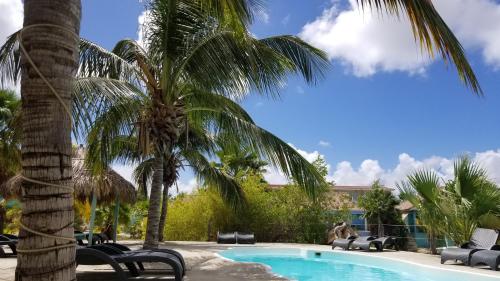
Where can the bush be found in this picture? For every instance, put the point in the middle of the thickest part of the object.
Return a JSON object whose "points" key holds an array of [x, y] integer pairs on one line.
{"points": [[283, 215]]}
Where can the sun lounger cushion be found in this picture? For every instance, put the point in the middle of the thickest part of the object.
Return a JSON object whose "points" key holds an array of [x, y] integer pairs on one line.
{"points": [[226, 238], [245, 238], [486, 257]]}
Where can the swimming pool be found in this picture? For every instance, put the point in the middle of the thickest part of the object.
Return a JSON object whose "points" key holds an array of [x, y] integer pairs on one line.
{"points": [[306, 265]]}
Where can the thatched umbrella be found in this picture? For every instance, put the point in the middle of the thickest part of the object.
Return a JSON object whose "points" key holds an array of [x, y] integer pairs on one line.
{"points": [[111, 187]]}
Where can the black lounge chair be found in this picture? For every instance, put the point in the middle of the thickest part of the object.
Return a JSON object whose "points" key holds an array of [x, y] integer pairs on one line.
{"points": [[5, 240], [124, 248], [487, 257], [226, 238], [365, 243], [343, 243], [482, 239], [245, 238], [104, 254]]}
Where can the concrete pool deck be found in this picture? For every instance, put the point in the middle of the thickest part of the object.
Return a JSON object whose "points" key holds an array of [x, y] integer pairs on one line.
{"points": [[202, 263]]}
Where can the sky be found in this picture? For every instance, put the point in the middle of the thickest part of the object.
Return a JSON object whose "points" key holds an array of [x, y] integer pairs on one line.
{"points": [[384, 109]]}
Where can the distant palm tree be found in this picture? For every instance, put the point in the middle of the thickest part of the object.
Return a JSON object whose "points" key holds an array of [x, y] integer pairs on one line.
{"points": [[10, 135]]}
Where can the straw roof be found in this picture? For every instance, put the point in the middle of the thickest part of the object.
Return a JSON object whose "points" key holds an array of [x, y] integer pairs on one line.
{"points": [[106, 188]]}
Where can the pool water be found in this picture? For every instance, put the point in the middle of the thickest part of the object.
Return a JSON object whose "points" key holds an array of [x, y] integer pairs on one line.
{"points": [[305, 265]]}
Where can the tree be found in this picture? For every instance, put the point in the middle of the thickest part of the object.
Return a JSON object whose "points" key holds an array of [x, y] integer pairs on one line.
{"points": [[189, 78], [10, 152], [422, 190], [454, 210], [379, 205], [50, 38]]}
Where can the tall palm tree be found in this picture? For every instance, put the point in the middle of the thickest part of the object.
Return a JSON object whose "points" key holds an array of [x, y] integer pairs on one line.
{"points": [[197, 59], [46, 141]]}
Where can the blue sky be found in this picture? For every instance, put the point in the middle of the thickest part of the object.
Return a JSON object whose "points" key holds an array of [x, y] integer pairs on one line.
{"points": [[384, 108]]}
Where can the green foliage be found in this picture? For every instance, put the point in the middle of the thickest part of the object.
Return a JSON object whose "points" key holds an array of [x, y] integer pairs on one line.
{"points": [[137, 223], [379, 207], [10, 130], [454, 210], [281, 215]]}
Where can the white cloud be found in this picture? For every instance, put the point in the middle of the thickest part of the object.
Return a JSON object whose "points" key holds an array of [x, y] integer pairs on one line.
{"points": [[263, 16], [259, 104], [11, 18], [300, 90], [370, 170], [125, 171], [142, 21], [324, 143], [476, 23], [187, 187], [286, 20], [367, 42]]}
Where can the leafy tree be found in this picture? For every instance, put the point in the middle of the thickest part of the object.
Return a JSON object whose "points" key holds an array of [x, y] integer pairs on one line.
{"points": [[379, 205], [10, 152]]}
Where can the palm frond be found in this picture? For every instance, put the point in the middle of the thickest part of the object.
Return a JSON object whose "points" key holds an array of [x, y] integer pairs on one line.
{"points": [[10, 61], [269, 147], [227, 187], [93, 95], [432, 32], [96, 61], [303, 58]]}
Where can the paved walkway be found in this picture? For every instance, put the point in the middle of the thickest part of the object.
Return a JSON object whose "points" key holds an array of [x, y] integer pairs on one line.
{"points": [[203, 264]]}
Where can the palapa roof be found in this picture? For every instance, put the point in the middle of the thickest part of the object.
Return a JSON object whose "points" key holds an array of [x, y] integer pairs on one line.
{"points": [[107, 188]]}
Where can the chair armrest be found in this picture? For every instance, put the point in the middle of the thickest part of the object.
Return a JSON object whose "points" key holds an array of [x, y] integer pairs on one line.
{"points": [[465, 245], [495, 248]]}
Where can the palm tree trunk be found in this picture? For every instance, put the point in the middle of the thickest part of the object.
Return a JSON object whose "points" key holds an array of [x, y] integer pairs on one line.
{"points": [[151, 241], [163, 215], [46, 141]]}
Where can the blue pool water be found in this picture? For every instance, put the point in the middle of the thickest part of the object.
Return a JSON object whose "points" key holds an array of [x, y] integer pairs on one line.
{"points": [[304, 265]]}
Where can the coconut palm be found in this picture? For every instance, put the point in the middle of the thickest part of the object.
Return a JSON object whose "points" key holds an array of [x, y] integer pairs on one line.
{"points": [[46, 140], [186, 82]]}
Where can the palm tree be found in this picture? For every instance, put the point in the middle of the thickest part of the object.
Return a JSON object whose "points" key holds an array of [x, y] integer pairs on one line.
{"points": [[10, 152], [185, 81], [50, 38], [467, 201], [423, 191]]}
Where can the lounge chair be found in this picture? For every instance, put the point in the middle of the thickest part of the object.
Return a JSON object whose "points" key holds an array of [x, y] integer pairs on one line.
{"points": [[487, 257], [245, 238], [226, 238], [368, 241], [104, 254], [124, 248], [6, 241], [482, 239], [343, 243]]}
